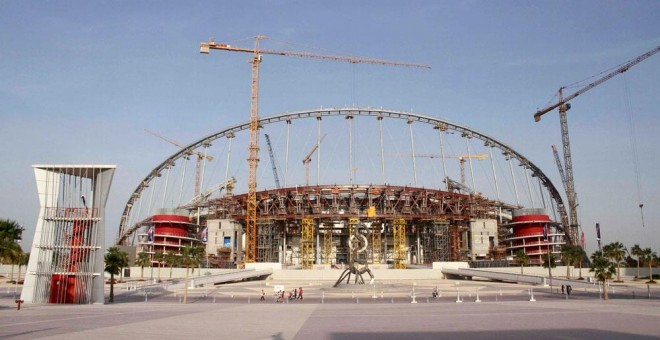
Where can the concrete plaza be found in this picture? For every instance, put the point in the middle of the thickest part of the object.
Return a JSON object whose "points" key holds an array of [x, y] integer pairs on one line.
{"points": [[383, 311]]}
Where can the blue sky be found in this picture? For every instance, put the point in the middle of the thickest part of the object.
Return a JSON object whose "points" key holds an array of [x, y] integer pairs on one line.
{"points": [[80, 80]]}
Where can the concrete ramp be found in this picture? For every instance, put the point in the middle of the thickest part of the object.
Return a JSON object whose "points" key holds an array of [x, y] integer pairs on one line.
{"points": [[238, 275], [516, 278]]}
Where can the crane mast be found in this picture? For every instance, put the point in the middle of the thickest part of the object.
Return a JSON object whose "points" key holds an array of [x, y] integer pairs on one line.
{"points": [[253, 158], [272, 161], [563, 105], [308, 159]]}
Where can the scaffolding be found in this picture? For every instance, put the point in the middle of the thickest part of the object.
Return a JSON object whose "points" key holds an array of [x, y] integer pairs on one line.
{"points": [[265, 246], [441, 241], [327, 243], [399, 250], [376, 242], [307, 243]]}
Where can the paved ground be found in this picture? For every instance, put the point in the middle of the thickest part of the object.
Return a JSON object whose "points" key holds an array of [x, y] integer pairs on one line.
{"points": [[350, 312]]}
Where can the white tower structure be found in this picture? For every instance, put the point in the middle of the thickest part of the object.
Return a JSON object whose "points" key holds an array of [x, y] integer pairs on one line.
{"points": [[67, 257]]}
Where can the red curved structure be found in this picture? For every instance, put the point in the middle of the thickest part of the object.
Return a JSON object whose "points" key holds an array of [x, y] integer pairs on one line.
{"points": [[527, 233]]}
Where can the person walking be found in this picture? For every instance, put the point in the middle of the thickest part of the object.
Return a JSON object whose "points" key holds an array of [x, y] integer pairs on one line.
{"points": [[263, 296], [300, 293]]}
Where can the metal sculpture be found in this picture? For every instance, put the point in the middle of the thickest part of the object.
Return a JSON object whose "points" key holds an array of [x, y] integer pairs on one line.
{"points": [[358, 245]]}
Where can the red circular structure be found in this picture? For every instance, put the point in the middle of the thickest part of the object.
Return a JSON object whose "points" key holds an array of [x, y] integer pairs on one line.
{"points": [[533, 232], [172, 231]]}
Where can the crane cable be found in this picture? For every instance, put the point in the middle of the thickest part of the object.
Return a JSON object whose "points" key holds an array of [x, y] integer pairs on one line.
{"points": [[633, 144]]}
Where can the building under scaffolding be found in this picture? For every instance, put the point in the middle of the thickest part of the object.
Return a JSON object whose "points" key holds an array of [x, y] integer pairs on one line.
{"points": [[400, 225]]}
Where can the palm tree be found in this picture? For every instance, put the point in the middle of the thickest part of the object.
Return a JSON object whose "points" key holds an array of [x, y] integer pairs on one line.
{"points": [[159, 256], [636, 251], [10, 231], [12, 255], [10, 234], [569, 255], [649, 256], [115, 259], [616, 252], [549, 262], [191, 258], [171, 260], [521, 259], [142, 261], [603, 270], [580, 256], [25, 258]]}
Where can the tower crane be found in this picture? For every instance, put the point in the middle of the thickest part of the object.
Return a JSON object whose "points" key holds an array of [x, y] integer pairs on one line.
{"points": [[272, 161], [253, 153], [461, 159], [564, 105], [200, 158], [308, 159]]}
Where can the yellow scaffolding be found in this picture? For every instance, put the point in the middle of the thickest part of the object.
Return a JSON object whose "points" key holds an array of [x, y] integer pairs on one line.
{"points": [[399, 251], [376, 245], [307, 243], [352, 226], [327, 243]]}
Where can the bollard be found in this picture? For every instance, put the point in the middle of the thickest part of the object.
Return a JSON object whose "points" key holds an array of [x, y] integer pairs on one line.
{"points": [[477, 300], [248, 300], [322, 297], [18, 304], [381, 294], [357, 300], [531, 299], [633, 294], [495, 297], [648, 288], [392, 301], [458, 296]]}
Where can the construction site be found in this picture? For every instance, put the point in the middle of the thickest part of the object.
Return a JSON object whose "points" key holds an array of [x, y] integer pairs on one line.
{"points": [[405, 210], [369, 186]]}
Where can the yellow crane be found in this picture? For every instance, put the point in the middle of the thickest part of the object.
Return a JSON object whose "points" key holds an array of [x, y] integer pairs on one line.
{"points": [[253, 154], [461, 159], [308, 159], [200, 158]]}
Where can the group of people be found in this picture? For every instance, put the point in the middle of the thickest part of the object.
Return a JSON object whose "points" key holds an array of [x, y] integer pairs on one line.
{"points": [[568, 289], [295, 294]]}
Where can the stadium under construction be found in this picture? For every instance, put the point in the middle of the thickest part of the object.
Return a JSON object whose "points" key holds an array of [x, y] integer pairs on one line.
{"points": [[409, 223]]}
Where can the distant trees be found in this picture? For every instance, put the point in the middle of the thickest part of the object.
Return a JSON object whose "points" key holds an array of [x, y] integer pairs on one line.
{"points": [[191, 257], [616, 252], [522, 259], [10, 249], [649, 257], [549, 261], [636, 251], [159, 256], [115, 260], [172, 260], [142, 261], [571, 255]]}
